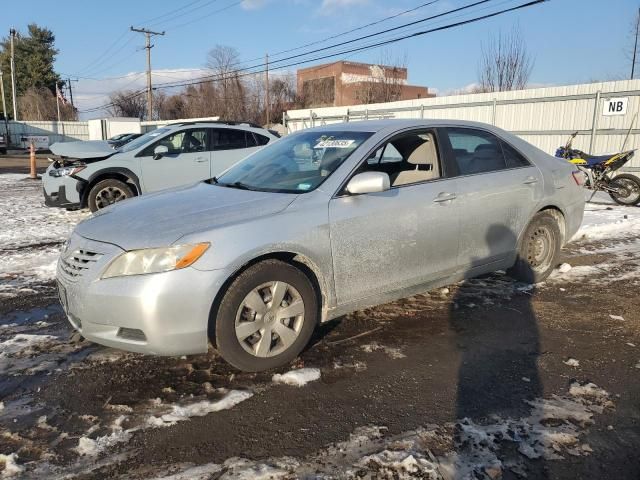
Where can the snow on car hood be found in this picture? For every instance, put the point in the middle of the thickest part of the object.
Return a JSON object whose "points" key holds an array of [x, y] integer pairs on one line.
{"points": [[83, 149], [159, 219]]}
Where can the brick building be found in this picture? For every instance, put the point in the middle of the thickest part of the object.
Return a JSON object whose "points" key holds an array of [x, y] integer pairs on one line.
{"points": [[350, 83]]}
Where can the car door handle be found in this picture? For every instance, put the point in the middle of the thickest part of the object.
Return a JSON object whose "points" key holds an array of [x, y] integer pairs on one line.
{"points": [[530, 180], [201, 159], [444, 197]]}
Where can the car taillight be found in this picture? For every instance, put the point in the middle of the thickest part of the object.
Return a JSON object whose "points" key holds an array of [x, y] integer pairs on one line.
{"points": [[578, 177]]}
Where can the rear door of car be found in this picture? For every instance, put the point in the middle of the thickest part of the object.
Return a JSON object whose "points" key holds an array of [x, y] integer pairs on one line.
{"points": [[400, 238], [187, 161], [230, 145], [497, 192]]}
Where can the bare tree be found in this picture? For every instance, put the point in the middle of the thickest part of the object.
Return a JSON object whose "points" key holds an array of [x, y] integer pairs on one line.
{"points": [[385, 80], [223, 60], [505, 64], [127, 104], [40, 104]]}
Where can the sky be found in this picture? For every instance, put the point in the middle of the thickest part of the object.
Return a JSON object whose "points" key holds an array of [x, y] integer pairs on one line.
{"points": [[571, 41]]}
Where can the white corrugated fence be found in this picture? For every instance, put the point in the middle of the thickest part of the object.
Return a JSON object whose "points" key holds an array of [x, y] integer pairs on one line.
{"points": [[602, 113]]}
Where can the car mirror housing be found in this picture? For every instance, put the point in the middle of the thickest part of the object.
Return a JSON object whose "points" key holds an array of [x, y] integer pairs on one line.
{"points": [[369, 182], [160, 151]]}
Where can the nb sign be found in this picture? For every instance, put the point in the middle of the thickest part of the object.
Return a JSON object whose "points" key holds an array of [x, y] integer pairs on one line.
{"points": [[615, 106]]}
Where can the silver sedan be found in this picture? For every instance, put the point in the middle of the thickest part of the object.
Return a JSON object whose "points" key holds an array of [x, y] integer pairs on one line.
{"points": [[319, 224]]}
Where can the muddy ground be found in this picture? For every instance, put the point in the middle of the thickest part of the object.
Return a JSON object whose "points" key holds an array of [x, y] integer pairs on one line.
{"points": [[482, 350]]}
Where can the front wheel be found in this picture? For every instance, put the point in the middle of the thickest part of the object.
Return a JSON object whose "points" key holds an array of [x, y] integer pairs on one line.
{"points": [[266, 316], [107, 192], [625, 189], [538, 249]]}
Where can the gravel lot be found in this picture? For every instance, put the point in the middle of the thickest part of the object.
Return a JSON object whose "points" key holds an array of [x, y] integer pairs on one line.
{"points": [[484, 379]]}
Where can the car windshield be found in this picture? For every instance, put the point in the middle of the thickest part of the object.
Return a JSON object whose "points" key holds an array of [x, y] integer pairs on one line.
{"points": [[140, 141], [295, 164]]}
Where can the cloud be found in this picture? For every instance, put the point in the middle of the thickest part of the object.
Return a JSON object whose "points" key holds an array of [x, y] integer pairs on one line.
{"points": [[329, 7]]}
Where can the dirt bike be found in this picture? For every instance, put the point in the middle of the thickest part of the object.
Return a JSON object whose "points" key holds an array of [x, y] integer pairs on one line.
{"points": [[624, 188]]}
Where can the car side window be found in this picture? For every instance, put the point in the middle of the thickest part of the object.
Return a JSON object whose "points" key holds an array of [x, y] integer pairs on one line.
{"points": [[229, 139], [513, 158], [408, 158], [262, 140], [475, 151], [184, 141]]}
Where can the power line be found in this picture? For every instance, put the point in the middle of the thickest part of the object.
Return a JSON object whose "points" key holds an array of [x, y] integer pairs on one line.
{"points": [[345, 52], [291, 57]]}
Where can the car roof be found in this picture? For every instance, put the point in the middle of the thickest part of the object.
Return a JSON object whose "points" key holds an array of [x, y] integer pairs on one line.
{"points": [[396, 123]]}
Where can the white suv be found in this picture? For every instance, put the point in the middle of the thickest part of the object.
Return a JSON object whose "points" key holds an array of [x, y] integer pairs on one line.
{"points": [[94, 175]]}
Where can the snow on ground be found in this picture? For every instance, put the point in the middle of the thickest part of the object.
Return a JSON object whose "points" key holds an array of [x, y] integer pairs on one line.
{"points": [[30, 236], [460, 450], [392, 352], [9, 466], [26, 221], [179, 413], [297, 378]]}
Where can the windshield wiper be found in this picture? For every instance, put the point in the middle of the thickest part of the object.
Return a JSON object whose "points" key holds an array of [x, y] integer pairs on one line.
{"points": [[238, 185]]}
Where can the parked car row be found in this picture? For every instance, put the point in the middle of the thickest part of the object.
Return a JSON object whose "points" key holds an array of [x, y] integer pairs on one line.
{"points": [[316, 225]]}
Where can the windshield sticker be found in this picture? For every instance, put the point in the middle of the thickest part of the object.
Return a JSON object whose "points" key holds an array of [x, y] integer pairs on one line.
{"points": [[304, 186], [334, 144]]}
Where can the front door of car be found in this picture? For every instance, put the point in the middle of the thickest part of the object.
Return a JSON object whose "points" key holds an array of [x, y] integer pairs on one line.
{"points": [[403, 237], [188, 160], [230, 145], [498, 190]]}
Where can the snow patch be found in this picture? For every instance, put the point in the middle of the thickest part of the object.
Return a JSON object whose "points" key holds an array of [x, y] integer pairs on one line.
{"points": [[392, 352], [179, 413], [564, 268], [297, 378], [616, 317], [11, 467], [572, 362]]}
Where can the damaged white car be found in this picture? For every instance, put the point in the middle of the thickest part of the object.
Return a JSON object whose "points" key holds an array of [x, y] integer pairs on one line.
{"points": [[92, 174]]}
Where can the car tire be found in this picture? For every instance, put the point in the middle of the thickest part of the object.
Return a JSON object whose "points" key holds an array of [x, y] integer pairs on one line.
{"points": [[538, 249], [630, 184], [107, 192], [250, 332]]}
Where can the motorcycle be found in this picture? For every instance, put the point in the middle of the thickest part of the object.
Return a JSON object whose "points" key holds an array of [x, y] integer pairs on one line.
{"points": [[624, 188]]}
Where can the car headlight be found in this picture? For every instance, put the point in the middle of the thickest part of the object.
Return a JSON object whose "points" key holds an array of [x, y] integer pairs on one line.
{"points": [[155, 260], [65, 171]]}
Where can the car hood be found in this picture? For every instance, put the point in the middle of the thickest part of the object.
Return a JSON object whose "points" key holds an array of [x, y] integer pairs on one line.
{"points": [[84, 149], [160, 219]]}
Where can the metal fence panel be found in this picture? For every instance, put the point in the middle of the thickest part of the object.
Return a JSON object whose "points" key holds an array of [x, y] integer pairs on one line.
{"points": [[542, 116]]}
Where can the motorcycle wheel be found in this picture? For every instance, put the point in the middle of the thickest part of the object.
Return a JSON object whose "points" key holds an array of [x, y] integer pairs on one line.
{"points": [[627, 189]]}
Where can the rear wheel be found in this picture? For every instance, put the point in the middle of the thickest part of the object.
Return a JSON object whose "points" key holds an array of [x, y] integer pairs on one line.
{"points": [[538, 249], [266, 316], [107, 192], [626, 189]]}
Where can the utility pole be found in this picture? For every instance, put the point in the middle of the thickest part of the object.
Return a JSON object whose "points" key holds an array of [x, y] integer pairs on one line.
{"points": [[148, 46], [635, 46], [4, 108], [12, 33], [69, 80], [267, 101], [4, 102]]}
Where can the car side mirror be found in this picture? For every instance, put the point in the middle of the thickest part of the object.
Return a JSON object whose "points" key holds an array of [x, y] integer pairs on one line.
{"points": [[160, 151], [369, 182]]}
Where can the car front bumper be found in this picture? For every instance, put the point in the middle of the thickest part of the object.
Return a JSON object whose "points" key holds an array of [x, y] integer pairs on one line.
{"points": [[64, 192], [160, 314]]}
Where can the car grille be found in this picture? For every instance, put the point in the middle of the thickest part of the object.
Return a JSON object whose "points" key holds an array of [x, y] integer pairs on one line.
{"points": [[75, 264]]}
